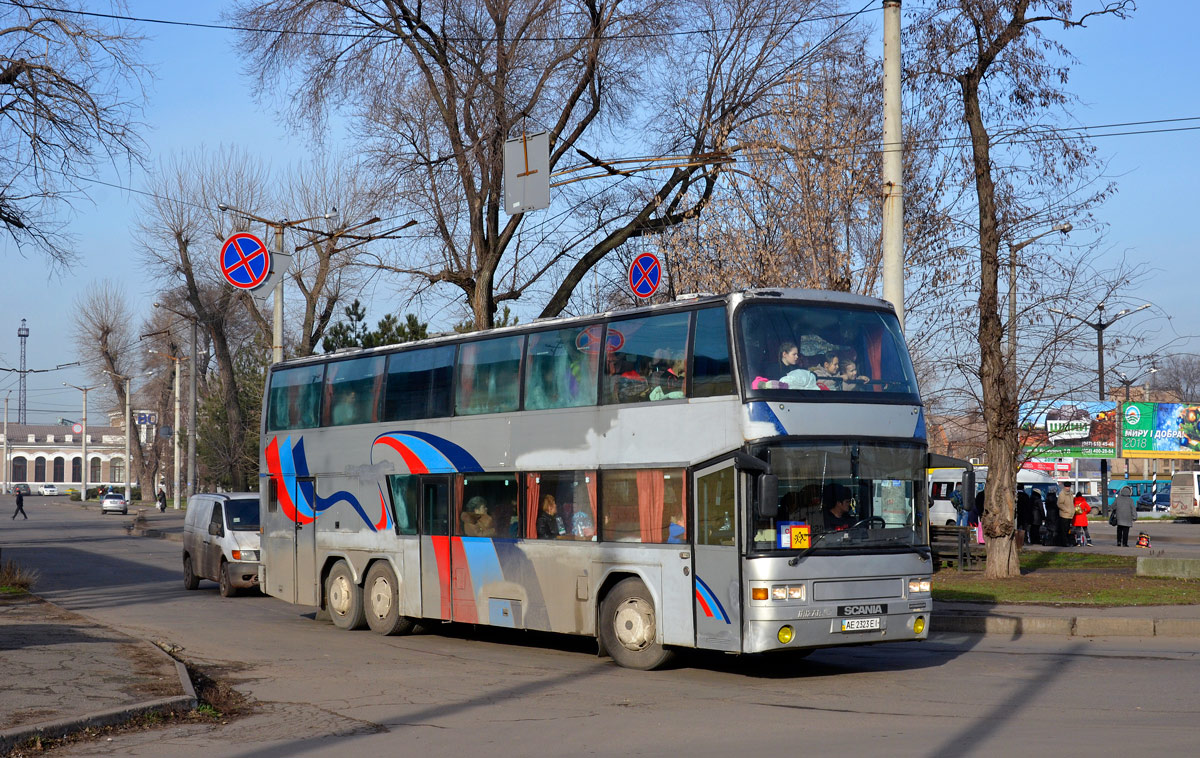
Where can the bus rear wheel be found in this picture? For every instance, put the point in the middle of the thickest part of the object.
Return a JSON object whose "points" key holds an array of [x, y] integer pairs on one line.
{"points": [[382, 598], [629, 626], [344, 598]]}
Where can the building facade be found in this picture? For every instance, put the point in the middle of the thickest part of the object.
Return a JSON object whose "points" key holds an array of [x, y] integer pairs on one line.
{"points": [[37, 454]]}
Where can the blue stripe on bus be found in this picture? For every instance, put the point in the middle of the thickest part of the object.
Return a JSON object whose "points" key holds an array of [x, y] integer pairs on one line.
{"points": [[711, 598], [463, 461], [761, 412], [482, 562], [429, 455]]}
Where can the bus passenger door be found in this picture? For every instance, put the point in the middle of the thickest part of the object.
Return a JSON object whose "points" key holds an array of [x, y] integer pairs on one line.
{"points": [[717, 592], [435, 547], [308, 591]]}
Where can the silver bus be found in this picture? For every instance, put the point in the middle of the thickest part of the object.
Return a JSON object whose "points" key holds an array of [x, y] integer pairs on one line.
{"points": [[742, 473]]}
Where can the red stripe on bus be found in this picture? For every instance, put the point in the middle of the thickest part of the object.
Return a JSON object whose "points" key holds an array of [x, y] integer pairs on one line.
{"points": [[465, 609], [441, 552], [415, 466]]}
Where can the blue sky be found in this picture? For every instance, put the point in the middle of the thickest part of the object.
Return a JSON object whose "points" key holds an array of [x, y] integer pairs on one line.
{"points": [[1137, 70]]}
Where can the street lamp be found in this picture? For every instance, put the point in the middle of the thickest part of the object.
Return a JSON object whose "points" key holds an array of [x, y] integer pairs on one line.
{"points": [[278, 227], [175, 430], [191, 455], [128, 427], [1127, 382], [84, 468], [1100, 325], [1065, 228]]}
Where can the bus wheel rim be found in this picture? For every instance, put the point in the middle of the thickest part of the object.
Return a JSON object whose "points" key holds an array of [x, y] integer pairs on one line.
{"points": [[633, 624], [339, 595], [381, 597]]}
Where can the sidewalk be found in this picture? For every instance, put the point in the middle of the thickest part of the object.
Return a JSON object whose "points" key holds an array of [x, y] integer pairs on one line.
{"points": [[61, 672]]}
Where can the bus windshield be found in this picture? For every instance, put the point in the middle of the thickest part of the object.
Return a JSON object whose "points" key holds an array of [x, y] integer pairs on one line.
{"points": [[844, 496], [789, 348]]}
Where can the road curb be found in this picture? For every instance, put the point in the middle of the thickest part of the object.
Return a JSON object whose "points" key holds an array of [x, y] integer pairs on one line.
{"points": [[18, 735], [1070, 626]]}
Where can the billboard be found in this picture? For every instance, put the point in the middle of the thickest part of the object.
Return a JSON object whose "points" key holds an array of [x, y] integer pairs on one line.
{"points": [[1160, 430], [1069, 429]]}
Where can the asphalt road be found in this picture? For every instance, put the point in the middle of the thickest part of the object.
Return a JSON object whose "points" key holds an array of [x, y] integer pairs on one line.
{"points": [[462, 691]]}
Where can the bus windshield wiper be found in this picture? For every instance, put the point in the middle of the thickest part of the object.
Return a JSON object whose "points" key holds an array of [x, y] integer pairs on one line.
{"points": [[813, 546]]}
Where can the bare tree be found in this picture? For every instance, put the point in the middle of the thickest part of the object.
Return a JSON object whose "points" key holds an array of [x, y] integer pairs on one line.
{"points": [[995, 79], [71, 89], [435, 90], [181, 233], [103, 331], [1178, 375]]}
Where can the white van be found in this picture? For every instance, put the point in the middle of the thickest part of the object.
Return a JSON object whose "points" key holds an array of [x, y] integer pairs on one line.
{"points": [[1185, 494], [943, 481], [221, 541]]}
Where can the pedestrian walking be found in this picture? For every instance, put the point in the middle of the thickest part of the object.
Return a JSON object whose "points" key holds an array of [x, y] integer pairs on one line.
{"points": [[20, 506], [161, 499], [1124, 512]]}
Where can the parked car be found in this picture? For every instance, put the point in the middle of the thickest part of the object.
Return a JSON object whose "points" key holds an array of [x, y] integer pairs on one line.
{"points": [[114, 503], [22, 488], [1093, 502], [1153, 502], [221, 541], [48, 489]]}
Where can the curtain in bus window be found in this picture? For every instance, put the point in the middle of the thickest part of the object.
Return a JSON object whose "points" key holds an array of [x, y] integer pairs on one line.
{"points": [[558, 372], [351, 391], [488, 373], [647, 358], [711, 372], [650, 505], [295, 398], [419, 384], [531, 505], [875, 353]]}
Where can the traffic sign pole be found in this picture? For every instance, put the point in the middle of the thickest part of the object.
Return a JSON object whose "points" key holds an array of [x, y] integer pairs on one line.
{"points": [[277, 326]]}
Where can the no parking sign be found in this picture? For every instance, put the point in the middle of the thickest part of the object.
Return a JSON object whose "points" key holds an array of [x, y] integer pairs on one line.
{"points": [[245, 261], [645, 273]]}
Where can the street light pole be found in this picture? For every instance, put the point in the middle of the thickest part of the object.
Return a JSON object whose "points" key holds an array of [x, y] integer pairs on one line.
{"points": [[191, 459], [1065, 228], [1100, 325], [175, 431], [83, 441], [128, 416], [6, 395], [277, 227], [1127, 382]]}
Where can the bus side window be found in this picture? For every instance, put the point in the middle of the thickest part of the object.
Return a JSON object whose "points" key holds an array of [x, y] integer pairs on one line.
{"points": [[558, 374], [419, 384], [350, 391], [711, 372], [488, 373], [651, 349], [295, 398], [405, 498]]}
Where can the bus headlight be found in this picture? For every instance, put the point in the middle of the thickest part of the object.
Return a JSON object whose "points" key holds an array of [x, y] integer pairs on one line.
{"points": [[918, 585], [787, 592], [786, 633], [779, 592]]}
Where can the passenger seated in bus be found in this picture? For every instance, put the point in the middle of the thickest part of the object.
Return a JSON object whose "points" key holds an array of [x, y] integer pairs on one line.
{"points": [[848, 374], [827, 372], [547, 520], [628, 385], [346, 408], [677, 531], [476, 520], [668, 380], [792, 375], [837, 514]]}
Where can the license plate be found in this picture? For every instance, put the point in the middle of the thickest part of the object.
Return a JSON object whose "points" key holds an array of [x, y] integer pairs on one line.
{"points": [[860, 625]]}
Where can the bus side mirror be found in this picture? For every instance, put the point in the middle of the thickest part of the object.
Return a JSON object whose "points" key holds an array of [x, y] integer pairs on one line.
{"points": [[767, 504]]}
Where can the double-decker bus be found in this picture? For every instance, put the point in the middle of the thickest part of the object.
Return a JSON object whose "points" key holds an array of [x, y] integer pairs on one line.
{"points": [[708, 473]]}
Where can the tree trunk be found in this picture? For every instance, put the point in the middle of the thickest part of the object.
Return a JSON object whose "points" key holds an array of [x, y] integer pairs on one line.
{"points": [[999, 406]]}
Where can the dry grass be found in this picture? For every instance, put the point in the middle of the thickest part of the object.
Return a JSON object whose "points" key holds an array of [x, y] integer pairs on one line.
{"points": [[14, 579]]}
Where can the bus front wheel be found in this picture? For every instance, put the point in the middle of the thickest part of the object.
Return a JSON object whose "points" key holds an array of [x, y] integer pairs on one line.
{"points": [[629, 626], [382, 598], [344, 598]]}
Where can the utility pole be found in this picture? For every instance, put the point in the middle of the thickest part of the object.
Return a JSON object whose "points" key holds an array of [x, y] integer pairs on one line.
{"points": [[175, 431], [6, 395], [84, 470], [893, 164], [191, 469]]}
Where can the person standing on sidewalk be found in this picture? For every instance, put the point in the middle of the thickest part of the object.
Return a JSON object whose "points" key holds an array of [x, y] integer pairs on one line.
{"points": [[1066, 516], [20, 506], [1125, 512], [1082, 509]]}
